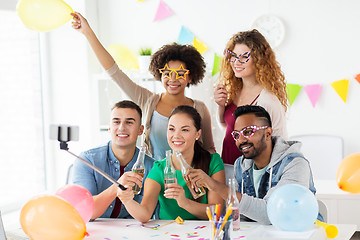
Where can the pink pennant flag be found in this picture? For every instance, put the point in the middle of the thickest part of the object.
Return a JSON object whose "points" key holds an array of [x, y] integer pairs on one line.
{"points": [[313, 91], [163, 11]]}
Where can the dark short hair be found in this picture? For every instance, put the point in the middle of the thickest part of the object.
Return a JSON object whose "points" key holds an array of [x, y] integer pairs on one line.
{"points": [[128, 104], [258, 111], [187, 54]]}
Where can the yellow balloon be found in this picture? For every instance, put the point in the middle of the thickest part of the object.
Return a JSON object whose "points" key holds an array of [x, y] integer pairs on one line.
{"points": [[123, 56], [50, 217], [348, 174], [43, 15]]}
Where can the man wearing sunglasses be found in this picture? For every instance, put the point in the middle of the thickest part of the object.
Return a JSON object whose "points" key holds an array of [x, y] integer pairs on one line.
{"points": [[267, 162]]}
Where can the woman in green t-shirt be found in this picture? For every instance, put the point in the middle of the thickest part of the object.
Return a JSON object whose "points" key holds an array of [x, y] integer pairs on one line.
{"points": [[183, 133]]}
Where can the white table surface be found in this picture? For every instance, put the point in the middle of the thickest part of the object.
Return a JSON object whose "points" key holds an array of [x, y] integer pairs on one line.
{"points": [[115, 229]]}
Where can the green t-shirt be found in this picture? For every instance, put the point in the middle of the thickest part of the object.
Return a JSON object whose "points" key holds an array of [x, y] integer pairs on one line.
{"points": [[169, 209]]}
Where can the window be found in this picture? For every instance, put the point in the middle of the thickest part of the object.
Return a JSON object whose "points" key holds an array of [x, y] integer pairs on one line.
{"points": [[22, 164]]}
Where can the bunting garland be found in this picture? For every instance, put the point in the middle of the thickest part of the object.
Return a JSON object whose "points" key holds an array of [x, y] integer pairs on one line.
{"points": [[163, 11], [341, 87], [313, 91]]}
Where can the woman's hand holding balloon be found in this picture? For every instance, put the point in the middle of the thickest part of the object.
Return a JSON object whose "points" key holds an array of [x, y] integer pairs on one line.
{"points": [[79, 23]]}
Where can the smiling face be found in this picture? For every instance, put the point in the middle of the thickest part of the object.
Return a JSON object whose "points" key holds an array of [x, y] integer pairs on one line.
{"points": [[125, 127], [243, 70], [175, 82], [182, 133], [254, 146]]}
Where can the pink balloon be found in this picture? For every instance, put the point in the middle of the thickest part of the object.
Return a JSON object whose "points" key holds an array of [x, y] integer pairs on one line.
{"points": [[80, 198]]}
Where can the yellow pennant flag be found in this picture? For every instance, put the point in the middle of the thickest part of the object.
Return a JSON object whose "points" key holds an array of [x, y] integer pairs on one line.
{"points": [[341, 87], [200, 46]]}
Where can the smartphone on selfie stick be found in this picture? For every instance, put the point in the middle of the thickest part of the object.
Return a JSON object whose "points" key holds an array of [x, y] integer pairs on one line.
{"points": [[66, 133]]}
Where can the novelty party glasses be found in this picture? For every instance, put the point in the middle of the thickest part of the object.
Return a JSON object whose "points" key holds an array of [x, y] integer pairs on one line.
{"points": [[231, 56], [246, 132], [179, 73]]}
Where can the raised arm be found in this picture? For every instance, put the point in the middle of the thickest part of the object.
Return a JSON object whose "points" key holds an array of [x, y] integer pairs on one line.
{"points": [[81, 25]]}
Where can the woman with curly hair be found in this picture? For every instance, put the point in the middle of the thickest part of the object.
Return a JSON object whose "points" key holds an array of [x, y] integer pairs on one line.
{"points": [[176, 66], [249, 75]]}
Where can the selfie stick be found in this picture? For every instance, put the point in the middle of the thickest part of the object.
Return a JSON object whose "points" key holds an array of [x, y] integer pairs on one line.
{"points": [[64, 146]]}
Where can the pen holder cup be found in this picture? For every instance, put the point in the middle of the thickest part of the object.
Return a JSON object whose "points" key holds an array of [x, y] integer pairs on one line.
{"points": [[220, 231]]}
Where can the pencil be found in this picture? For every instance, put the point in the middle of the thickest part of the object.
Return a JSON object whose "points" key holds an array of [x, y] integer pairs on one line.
{"points": [[208, 213], [228, 212]]}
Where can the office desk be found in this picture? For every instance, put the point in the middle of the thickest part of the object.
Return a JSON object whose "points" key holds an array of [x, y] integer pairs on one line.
{"points": [[118, 229]]}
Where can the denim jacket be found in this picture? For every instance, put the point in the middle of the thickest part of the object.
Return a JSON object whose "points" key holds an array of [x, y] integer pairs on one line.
{"points": [[287, 165], [103, 157]]}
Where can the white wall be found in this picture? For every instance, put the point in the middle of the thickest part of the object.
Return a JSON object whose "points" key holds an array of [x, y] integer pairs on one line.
{"points": [[321, 45]]}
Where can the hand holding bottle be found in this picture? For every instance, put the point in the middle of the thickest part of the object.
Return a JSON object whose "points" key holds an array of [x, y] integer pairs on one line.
{"points": [[199, 178], [177, 192], [139, 168], [199, 191]]}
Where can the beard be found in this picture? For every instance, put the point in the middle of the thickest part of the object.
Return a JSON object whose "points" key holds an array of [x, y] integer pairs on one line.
{"points": [[254, 149]]}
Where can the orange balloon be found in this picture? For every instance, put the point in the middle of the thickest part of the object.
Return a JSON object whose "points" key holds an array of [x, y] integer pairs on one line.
{"points": [[50, 217], [348, 174]]}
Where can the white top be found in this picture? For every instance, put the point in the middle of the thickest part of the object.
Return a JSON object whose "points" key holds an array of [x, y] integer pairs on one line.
{"points": [[276, 110]]}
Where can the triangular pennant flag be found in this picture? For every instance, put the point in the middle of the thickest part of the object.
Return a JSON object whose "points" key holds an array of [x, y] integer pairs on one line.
{"points": [[292, 91], [200, 46], [341, 87], [313, 91], [357, 78], [216, 66], [185, 36], [162, 12]]}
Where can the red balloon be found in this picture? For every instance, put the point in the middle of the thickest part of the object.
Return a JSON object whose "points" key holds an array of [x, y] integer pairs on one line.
{"points": [[80, 198]]}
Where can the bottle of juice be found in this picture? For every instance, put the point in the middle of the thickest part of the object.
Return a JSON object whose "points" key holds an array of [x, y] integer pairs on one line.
{"points": [[169, 171], [200, 191], [139, 167]]}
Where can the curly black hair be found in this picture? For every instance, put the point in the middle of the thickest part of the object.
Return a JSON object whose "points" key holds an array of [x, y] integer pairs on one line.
{"points": [[187, 54]]}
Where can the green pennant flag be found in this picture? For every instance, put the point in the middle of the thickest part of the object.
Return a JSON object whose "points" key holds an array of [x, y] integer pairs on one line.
{"points": [[292, 91], [216, 66]]}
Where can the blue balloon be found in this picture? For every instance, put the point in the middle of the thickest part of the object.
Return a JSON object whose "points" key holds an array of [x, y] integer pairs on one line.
{"points": [[292, 207]]}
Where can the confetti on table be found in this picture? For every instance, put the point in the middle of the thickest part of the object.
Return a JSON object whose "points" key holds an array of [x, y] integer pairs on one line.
{"points": [[191, 235], [174, 235], [155, 235], [107, 238], [238, 237], [203, 239]]}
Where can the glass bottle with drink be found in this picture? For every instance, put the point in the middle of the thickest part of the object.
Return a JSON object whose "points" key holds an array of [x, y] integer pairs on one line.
{"points": [[139, 168], [169, 171], [198, 192], [234, 201]]}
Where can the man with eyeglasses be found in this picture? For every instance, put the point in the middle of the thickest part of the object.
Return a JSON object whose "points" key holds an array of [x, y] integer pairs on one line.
{"points": [[267, 163]]}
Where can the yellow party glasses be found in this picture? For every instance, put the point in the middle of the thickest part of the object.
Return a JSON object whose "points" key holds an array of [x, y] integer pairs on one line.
{"points": [[181, 72]]}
